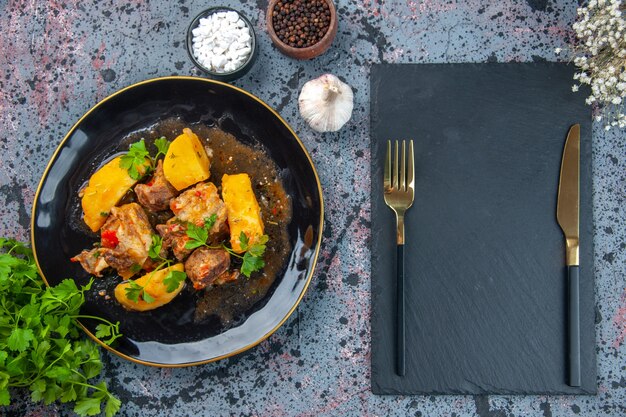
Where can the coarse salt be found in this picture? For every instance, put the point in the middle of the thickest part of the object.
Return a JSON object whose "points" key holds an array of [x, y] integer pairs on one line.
{"points": [[222, 42]]}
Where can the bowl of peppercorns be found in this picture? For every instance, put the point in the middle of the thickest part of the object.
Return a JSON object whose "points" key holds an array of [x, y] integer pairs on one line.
{"points": [[302, 29]]}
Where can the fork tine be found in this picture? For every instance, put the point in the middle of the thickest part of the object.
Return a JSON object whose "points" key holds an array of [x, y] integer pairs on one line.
{"points": [[395, 167], [387, 175], [411, 172], [402, 186]]}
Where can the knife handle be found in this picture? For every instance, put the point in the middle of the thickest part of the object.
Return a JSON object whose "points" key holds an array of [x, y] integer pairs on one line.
{"points": [[573, 325], [400, 368]]}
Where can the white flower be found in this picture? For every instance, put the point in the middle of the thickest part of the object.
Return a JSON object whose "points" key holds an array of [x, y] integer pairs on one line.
{"points": [[557, 50], [599, 54]]}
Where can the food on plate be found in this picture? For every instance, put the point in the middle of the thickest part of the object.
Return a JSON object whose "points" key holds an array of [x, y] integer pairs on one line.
{"points": [[91, 261], [244, 213], [205, 265], [126, 237], [155, 195], [170, 227], [106, 188], [198, 203], [153, 287], [186, 162], [194, 205]]}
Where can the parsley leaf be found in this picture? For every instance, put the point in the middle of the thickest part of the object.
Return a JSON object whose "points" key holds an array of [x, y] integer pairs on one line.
{"points": [[112, 406], [5, 397], [88, 407], [197, 236], [173, 279], [20, 339], [243, 241], [162, 146], [258, 249], [251, 264], [147, 297], [133, 291], [155, 248], [135, 159], [210, 221], [253, 258], [102, 331]]}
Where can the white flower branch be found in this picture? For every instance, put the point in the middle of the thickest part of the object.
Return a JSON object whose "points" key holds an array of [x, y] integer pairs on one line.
{"points": [[600, 54]]}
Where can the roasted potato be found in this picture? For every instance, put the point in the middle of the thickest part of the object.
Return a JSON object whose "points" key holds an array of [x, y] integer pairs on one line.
{"points": [[244, 213], [105, 189], [153, 285], [186, 162]]}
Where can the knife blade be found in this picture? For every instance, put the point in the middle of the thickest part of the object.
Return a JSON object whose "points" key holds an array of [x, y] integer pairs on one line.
{"points": [[568, 217]]}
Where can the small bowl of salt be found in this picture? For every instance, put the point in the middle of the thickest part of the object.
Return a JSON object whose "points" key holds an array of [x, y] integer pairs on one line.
{"points": [[221, 42]]}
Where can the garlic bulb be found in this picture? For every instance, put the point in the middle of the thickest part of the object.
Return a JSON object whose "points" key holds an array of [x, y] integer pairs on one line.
{"points": [[326, 103]]}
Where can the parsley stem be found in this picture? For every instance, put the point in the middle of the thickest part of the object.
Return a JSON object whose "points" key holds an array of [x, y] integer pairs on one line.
{"points": [[226, 248], [43, 371], [142, 288], [84, 316], [107, 393], [9, 314]]}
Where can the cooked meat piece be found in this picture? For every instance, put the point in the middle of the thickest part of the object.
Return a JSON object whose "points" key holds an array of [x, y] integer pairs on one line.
{"points": [[199, 203], [92, 261], [227, 276], [174, 236], [120, 261], [126, 238], [205, 265], [155, 195], [194, 206]]}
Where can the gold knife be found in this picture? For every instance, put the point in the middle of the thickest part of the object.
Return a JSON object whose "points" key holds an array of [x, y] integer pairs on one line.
{"points": [[567, 214]]}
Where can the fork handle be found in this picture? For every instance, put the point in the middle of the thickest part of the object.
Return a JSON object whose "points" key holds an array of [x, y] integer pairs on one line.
{"points": [[400, 339]]}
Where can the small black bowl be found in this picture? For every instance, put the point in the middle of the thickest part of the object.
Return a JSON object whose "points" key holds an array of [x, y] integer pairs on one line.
{"points": [[222, 76]]}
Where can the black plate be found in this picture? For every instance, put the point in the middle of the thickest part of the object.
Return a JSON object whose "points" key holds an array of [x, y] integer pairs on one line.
{"points": [[168, 336]]}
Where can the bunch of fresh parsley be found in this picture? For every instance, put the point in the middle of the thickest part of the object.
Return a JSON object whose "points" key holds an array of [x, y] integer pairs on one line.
{"points": [[41, 347], [137, 154], [251, 260]]}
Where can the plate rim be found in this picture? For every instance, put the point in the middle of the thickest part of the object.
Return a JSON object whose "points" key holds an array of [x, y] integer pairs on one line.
{"points": [[318, 244]]}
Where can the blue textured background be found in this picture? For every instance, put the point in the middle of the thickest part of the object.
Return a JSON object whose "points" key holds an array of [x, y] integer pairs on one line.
{"points": [[58, 58]]}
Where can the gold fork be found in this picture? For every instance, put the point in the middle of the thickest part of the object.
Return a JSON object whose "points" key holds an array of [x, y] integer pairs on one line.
{"points": [[399, 186]]}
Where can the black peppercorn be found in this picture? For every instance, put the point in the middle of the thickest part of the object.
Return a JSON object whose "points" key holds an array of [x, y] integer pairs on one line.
{"points": [[301, 23]]}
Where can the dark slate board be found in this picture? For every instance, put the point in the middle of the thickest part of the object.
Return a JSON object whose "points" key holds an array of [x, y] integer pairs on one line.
{"points": [[485, 263]]}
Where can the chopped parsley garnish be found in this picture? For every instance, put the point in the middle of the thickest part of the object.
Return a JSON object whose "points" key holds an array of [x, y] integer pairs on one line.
{"points": [[162, 146], [252, 259], [172, 281], [137, 154], [198, 236], [134, 159], [155, 248]]}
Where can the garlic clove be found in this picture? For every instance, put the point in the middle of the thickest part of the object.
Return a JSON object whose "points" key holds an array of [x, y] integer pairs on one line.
{"points": [[326, 103]]}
